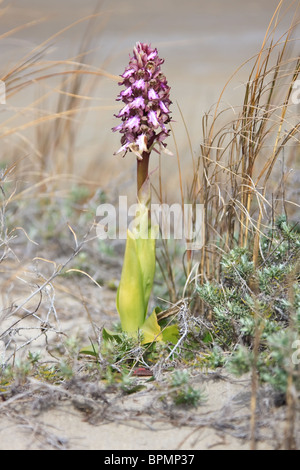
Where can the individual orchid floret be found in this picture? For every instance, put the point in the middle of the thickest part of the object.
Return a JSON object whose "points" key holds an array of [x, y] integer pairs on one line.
{"points": [[146, 102], [152, 95]]}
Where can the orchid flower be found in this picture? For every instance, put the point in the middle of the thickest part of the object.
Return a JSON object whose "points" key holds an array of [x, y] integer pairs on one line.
{"points": [[146, 100], [144, 117]]}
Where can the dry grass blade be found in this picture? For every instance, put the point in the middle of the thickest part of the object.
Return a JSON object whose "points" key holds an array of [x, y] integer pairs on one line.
{"points": [[236, 157]]}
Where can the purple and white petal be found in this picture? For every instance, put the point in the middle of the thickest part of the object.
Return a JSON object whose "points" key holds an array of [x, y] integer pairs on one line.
{"points": [[127, 92], [138, 102], [152, 55], [118, 128], [122, 149], [152, 95], [124, 110], [141, 141], [133, 123], [152, 118], [128, 73], [163, 107], [139, 84]]}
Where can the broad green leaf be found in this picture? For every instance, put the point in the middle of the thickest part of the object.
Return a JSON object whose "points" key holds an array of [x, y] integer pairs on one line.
{"points": [[145, 243], [129, 389], [146, 254], [146, 247], [109, 335], [208, 338], [91, 350], [130, 295], [170, 334], [151, 330]]}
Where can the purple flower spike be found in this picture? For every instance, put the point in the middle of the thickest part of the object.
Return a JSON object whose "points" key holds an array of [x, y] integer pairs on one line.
{"points": [[146, 102]]}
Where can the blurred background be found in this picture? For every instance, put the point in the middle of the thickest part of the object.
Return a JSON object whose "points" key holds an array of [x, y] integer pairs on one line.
{"points": [[203, 43]]}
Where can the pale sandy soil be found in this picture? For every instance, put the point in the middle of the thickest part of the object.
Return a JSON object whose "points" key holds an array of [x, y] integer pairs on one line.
{"points": [[141, 422], [85, 414]]}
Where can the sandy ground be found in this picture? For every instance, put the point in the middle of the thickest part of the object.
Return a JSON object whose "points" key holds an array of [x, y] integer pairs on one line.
{"points": [[140, 422], [83, 414]]}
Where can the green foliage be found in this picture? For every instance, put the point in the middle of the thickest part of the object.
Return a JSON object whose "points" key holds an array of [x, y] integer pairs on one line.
{"points": [[17, 375], [263, 300], [137, 278], [182, 392], [237, 266], [280, 364], [275, 362]]}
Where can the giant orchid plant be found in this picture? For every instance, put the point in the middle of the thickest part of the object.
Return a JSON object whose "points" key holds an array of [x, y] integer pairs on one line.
{"points": [[144, 118]]}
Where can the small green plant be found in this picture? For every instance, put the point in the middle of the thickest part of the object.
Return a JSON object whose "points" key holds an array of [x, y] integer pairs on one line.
{"points": [[182, 392], [264, 298], [18, 374]]}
